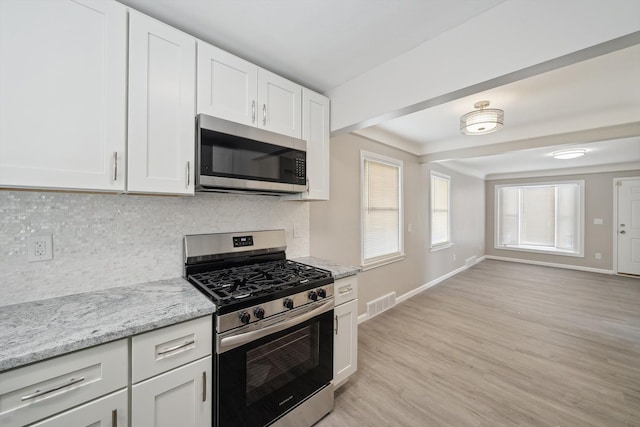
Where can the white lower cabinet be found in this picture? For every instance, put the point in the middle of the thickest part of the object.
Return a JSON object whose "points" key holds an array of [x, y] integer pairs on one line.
{"points": [[181, 397], [108, 411], [345, 340], [171, 376], [40, 390]]}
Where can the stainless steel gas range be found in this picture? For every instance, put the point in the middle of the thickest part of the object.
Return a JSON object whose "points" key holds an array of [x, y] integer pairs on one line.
{"points": [[273, 329]]}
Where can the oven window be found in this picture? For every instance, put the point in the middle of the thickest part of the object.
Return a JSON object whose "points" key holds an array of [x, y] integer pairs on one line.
{"points": [[281, 361]]}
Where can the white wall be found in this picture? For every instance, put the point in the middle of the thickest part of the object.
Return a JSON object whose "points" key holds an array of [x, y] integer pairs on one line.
{"points": [[102, 240], [335, 225]]}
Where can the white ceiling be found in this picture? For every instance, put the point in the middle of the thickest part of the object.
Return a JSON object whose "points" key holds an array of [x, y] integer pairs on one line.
{"points": [[318, 43], [323, 44]]}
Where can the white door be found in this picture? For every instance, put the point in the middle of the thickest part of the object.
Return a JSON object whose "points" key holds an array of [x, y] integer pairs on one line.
{"points": [[181, 397], [107, 411], [345, 341], [315, 130], [63, 94], [227, 85], [162, 85], [280, 104], [628, 226]]}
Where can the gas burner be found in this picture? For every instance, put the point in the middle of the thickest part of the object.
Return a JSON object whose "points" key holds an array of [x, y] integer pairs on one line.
{"points": [[232, 284]]}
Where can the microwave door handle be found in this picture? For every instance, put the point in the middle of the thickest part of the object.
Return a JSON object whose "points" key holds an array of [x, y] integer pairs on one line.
{"points": [[238, 340]]}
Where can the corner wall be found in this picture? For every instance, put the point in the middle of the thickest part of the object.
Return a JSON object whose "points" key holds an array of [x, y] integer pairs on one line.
{"points": [[335, 224]]}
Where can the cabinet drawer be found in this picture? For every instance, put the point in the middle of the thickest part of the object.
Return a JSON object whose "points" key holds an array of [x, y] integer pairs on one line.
{"points": [[158, 351], [110, 410], [37, 391], [345, 289]]}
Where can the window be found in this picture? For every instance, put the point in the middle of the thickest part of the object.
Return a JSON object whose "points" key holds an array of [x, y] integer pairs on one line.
{"points": [[545, 217], [381, 184], [440, 211]]}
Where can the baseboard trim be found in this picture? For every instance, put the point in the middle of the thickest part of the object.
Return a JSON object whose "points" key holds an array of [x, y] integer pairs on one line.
{"points": [[364, 317], [551, 264]]}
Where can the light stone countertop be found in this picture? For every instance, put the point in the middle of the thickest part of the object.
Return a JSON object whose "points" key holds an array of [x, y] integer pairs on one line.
{"points": [[338, 270], [34, 331]]}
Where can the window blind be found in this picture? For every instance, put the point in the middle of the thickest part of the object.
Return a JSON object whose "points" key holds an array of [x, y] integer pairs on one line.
{"points": [[381, 209]]}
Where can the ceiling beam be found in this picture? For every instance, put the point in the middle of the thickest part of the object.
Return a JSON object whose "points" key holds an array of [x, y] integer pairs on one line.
{"points": [[626, 130]]}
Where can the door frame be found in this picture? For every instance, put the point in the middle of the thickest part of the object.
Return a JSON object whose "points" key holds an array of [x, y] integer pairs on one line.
{"points": [[615, 218]]}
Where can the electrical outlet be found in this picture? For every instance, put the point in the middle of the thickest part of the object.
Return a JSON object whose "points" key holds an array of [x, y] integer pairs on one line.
{"points": [[40, 247], [598, 255]]}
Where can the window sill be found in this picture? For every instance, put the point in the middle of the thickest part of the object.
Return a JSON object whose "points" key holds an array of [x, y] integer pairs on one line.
{"points": [[379, 263], [441, 247], [538, 250]]}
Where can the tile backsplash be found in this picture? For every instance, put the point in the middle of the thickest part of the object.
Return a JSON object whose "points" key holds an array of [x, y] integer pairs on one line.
{"points": [[104, 240]]}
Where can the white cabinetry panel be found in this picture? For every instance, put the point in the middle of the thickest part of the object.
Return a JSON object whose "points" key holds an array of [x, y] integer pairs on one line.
{"points": [[345, 359], [63, 86], [181, 397], [280, 104], [108, 411], [161, 107], [227, 85], [37, 391]]}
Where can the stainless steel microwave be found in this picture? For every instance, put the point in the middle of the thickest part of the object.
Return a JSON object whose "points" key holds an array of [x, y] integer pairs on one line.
{"points": [[233, 157]]}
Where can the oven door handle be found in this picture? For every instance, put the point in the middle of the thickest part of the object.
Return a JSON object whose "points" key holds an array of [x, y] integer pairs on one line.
{"points": [[228, 343]]}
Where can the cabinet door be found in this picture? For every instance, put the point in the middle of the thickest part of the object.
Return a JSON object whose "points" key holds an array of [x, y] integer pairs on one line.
{"points": [[162, 80], [345, 342], [227, 86], [280, 104], [109, 411], [181, 397], [63, 85], [315, 130]]}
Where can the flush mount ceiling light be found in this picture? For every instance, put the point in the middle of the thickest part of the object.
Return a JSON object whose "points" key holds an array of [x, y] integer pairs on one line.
{"points": [[569, 154], [482, 120]]}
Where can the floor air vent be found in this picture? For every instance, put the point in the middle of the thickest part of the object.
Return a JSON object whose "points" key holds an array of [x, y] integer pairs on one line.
{"points": [[381, 304]]}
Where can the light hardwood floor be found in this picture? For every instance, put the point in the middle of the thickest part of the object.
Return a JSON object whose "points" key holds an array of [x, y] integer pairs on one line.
{"points": [[501, 344]]}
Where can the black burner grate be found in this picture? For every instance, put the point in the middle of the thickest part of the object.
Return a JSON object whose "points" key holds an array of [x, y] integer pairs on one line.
{"points": [[232, 284]]}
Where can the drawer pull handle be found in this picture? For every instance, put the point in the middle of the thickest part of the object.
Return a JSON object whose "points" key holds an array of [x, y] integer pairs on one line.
{"points": [[204, 386], [114, 418], [345, 290], [39, 393], [177, 347]]}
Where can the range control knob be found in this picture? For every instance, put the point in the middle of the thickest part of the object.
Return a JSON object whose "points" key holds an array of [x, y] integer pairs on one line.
{"points": [[258, 312], [288, 303], [245, 317], [322, 293], [313, 296]]}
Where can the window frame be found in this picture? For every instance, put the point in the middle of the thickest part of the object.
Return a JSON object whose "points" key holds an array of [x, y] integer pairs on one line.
{"points": [[449, 242], [534, 249], [378, 261]]}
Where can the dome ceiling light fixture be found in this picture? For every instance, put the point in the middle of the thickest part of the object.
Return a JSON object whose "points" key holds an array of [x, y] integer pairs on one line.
{"points": [[481, 121], [571, 153]]}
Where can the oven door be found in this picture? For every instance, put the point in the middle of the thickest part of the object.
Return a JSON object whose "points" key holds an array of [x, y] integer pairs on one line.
{"points": [[261, 380]]}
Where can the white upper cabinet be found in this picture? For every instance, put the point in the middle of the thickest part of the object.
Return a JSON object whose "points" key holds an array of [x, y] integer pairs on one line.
{"points": [[63, 94], [227, 85], [234, 89], [162, 87], [316, 131], [280, 104]]}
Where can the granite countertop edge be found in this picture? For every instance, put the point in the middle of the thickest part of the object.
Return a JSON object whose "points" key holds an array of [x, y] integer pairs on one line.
{"points": [[79, 321], [338, 270]]}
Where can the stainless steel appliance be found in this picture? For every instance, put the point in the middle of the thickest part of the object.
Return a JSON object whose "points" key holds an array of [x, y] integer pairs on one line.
{"points": [[236, 157], [273, 329]]}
